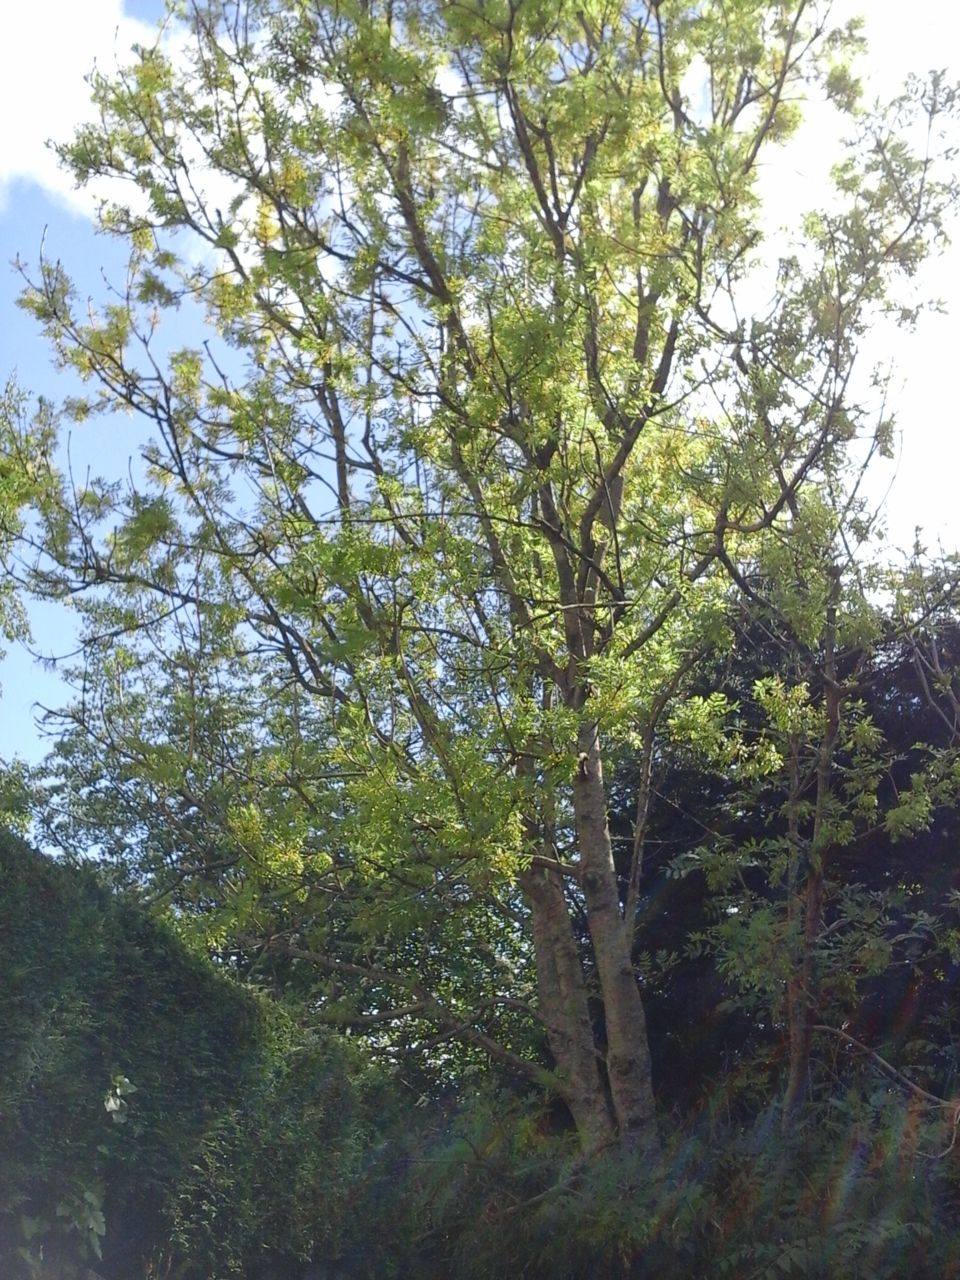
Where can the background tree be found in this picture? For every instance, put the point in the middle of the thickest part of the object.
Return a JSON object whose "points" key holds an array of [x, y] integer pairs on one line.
{"points": [[850, 935]]}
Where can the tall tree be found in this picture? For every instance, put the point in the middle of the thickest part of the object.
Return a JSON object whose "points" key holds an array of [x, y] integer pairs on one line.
{"points": [[26, 441], [487, 433]]}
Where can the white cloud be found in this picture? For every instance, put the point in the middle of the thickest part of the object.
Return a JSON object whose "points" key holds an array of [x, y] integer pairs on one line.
{"points": [[48, 47]]}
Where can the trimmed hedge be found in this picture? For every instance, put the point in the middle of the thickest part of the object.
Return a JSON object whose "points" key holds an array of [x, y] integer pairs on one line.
{"points": [[118, 1050]]}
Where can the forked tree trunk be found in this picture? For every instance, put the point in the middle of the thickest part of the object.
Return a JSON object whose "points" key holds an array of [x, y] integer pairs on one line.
{"points": [[615, 1106], [565, 1010], [628, 1050]]}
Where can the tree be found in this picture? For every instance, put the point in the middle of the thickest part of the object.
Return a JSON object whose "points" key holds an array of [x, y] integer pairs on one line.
{"points": [[819, 886], [454, 500], [26, 480], [25, 445]]}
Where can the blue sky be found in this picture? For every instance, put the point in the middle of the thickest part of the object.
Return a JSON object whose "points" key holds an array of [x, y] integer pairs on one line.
{"points": [[50, 45], [38, 204]]}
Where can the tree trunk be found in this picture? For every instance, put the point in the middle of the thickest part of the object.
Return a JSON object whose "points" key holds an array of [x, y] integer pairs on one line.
{"points": [[563, 1004], [628, 1051]]}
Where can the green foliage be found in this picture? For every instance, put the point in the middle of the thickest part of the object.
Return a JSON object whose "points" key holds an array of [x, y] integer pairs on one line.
{"points": [[477, 484], [27, 479], [106, 1020], [442, 497], [862, 1192], [311, 1163], [153, 1114]]}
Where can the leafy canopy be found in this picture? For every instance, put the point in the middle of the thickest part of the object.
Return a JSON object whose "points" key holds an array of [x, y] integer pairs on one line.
{"points": [[485, 435]]}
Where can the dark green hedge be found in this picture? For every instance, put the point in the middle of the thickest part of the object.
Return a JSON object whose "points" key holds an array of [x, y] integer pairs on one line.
{"points": [[96, 996], [247, 1145]]}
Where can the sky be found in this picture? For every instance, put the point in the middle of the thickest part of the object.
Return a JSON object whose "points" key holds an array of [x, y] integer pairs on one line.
{"points": [[49, 46]]}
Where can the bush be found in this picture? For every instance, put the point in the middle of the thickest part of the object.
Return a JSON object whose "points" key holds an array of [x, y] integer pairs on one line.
{"points": [[119, 1049]]}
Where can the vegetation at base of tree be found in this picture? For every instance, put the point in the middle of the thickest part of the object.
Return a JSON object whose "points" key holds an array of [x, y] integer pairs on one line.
{"points": [[486, 661]]}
